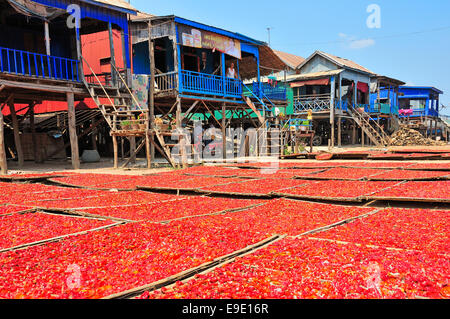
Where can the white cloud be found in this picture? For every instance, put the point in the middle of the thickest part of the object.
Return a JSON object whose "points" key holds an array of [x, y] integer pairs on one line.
{"points": [[354, 43], [361, 44]]}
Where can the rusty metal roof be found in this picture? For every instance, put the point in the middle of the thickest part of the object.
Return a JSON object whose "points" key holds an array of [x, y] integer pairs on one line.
{"points": [[341, 62], [291, 60]]}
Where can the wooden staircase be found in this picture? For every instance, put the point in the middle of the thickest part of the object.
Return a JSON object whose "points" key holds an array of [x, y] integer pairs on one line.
{"points": [[119, 111], [370, 127]]}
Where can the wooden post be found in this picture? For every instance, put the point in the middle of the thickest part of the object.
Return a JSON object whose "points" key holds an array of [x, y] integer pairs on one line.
{"points": [[17, 141], [73, 131], [113, 55], [363, 138], [79, 52], [132, 140], [332, 109], [115, 144], [37, 159], [224, 133], [339, 131], [181, 137], [151, 116], [147, 148], [436, 128], [354, 133], [3, 161], [94, 136], [125, 58], [47, 38]]}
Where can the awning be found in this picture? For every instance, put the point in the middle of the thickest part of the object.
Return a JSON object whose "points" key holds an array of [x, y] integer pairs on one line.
{"points": [[33, 9], [325, 81]]}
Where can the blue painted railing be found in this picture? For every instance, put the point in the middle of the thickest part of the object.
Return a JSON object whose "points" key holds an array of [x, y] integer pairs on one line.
{"points": [[273, 93], [420, 113], [38, 65], [201, 83]]}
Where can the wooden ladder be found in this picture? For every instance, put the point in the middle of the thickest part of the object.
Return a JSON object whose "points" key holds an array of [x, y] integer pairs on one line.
{"points": [[119, 107], [363, 119]]}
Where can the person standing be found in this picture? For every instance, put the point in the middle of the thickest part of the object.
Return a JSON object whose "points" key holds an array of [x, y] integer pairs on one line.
{"points": [[231, 72]]}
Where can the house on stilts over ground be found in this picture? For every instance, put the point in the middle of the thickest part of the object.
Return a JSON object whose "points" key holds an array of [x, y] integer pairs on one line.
{"points": [[339, 101], [41, 60], [197, 71]]}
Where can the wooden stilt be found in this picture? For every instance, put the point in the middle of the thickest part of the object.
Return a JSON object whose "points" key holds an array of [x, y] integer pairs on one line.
{"points": [[354, 133], [182, 138], [115, 144], [148, 148], [3, 161], [133, 154], [94, 136], [224, 133], [73, 131], [332, 110], [37, 158], [363, 138], [339, 131], [16, 131], [151, 107]]}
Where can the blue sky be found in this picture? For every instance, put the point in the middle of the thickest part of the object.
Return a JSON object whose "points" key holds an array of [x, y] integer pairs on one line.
{"points": [[412, 44]]}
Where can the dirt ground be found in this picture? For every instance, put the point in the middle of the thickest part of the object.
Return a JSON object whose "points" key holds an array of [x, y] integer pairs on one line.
{"points": [[105, 166]]}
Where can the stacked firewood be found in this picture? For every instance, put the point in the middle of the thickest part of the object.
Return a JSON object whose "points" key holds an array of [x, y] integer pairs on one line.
{"points": [[406, 136]]}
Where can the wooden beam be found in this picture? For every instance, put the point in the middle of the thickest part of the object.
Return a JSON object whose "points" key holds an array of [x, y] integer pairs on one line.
{"points": [[16, 132], [212, 114], [73, 131], [190, 109], [253, 107], [43, 87], [133, 154]]}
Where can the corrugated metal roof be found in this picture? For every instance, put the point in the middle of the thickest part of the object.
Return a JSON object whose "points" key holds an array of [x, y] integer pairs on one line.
{"points": [[114, 3], [315, 75], [291, 60], [341, 62], [220, 31], [142, 16], [431, 88], [345, 62]]}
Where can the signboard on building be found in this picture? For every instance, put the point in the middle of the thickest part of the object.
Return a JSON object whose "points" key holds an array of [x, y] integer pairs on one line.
{"points": [[195, 38]]}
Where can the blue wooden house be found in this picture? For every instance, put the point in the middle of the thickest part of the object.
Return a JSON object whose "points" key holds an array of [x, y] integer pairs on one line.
{"points": [[41, 57], [419, 101], [196, 69], [337, 92]]}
